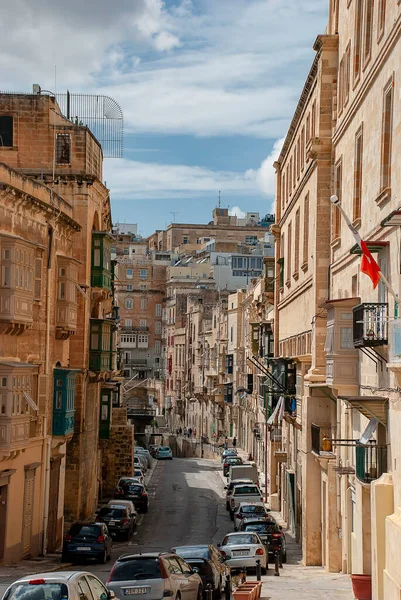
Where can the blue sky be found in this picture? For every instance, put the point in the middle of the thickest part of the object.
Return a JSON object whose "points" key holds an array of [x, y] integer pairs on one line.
{"points": [[207, 87]]}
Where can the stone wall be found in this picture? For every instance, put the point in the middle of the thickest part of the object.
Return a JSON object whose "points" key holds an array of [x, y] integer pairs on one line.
{"points": [[187, 448], [117, 451]]}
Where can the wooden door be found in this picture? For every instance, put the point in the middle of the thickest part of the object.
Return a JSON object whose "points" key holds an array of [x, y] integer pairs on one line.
{"points": [[53, 506], [3, 518], [28, 511]]}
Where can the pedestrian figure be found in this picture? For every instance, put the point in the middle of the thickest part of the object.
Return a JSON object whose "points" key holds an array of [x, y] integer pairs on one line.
{"points": [[185, 432], [180, 430], [225, 443], [190, 432], [194, 432], [234, 442]]}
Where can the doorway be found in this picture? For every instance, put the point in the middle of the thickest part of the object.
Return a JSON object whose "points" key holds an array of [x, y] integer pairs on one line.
{"points": [[53, 505], [28, 512], [3, 518]]}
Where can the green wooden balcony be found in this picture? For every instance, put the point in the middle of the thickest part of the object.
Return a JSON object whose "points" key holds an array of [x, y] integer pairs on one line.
{"points": [[63, 402], [102, 268], [101, 345], [371, 462]]}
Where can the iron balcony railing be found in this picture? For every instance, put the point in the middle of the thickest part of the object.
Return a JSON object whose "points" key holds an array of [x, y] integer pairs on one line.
{"points": [[370, 462], [370, 324]]}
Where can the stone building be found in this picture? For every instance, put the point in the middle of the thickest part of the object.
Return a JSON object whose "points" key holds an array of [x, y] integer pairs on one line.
{"points": [[57, 322]]}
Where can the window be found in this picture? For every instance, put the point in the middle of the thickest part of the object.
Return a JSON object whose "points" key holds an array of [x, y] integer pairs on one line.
{"points": [[231, 334], [126, 251], [98, 589], [381, 18], [367, 41], [63, 148], [129, 273], [143, 274], [283, 194], [250, 239], [6, 131], [128, 322], [158, 347], [158, 327], [313, 130], [289, 249], [387, 135], [287, 179], [357, 39], [302, 148], [335, 213], [298, 157], [305, 249], [290, 180], [296, 246], [38, 279], [129, 303], [142, 323], [308, 128], [185, 240], [356, 213], [143, 286], [158, 310], [144, 303], [129, 287]]}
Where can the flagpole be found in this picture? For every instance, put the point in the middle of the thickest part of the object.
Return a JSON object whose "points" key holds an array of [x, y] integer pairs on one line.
{"points": [[334, 200]]}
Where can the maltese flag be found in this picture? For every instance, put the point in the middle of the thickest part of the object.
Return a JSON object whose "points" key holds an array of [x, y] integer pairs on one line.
{"points": [[368, 264]]}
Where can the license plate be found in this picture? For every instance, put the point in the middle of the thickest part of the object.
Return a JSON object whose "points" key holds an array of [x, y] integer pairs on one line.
{"points": [[240, 552], [112, 522], [83, 548], [135, 591]]}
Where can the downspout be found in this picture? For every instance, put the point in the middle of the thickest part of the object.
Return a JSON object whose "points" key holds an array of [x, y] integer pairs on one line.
{"points": [[47, 373]]}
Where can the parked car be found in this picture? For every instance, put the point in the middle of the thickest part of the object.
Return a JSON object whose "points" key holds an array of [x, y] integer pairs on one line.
{"points": [[210, 564], [141, 462], [247, 510], [230, 460], [73, 585], [137, 494], [153, 448], [269, 532], [243, 550], [119, 520], [119, 492], [87, 540], [244, 492], [128, 504], [229, 488], [145, 454], [158, 575], [228, 452], [139, 475], [165, 452]]}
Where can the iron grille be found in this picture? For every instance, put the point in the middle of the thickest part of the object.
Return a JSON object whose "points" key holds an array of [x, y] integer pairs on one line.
{"points": [[370, 324]]}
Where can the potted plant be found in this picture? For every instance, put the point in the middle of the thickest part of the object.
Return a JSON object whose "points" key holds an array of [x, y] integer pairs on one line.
{"points": [[362, 586]]}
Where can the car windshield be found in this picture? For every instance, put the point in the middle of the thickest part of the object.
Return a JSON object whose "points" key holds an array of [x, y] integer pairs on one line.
{"points": [[262, 527], [138, 473], [234, 540], [202, 566], [246, 489], [234, 483], [164, 449], [233, 460], [134, 489], [43, 591], [78, 530], [137, 568], [113, 513], [193, 552], [253, 509]]}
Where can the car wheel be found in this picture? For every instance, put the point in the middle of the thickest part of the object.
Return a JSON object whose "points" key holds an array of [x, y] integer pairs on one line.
{"points": [[217, 592], [103, 557], [65, 557], [145, 510]]}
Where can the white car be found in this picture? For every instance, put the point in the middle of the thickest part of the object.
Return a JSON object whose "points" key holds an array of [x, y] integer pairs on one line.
{"points": [[247, 510], [141, 461], [73, 585], [244, 492], [146, 454], [138, 474], [244, 550]]}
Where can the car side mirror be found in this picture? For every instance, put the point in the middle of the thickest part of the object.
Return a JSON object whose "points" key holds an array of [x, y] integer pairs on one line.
{"points": [[195, 570], [111, 594]]}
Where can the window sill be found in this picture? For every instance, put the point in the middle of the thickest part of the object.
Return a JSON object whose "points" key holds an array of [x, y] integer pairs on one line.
{"points": [[336, 243], [356, 223], [304, 267], [9, 148], [384, 196]]}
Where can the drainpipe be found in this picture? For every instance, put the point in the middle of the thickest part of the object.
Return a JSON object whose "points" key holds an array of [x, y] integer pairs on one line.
{"points": [[47, 373]]}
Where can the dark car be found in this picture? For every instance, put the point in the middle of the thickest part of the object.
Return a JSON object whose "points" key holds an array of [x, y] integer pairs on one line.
{"points": [[136, 492], [210, 565], [269, 532], [118, 519], [230, 460], [153, 449], [87, 540], [119, 491]]}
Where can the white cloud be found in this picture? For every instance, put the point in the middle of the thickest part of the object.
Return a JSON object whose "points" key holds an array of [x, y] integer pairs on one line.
{"points": [[236, 211], [265, 175], [136, 180]]}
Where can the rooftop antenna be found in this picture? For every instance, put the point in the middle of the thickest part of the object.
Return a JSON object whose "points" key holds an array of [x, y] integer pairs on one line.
{"points": [[219, 203], [172, 212]]}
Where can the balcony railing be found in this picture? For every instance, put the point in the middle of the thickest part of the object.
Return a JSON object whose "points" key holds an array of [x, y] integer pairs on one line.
{"points": [[134, 329], [276, 433], [370, 462], [370, 324], [321, 439]]}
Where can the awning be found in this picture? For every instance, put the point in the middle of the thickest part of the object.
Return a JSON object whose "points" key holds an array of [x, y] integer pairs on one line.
{"points": [[369, 406]]}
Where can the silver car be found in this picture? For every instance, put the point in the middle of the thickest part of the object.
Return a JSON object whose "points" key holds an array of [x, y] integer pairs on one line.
{"points": [[157, 575], [74, 585], [146, 454], [244, 550]]}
